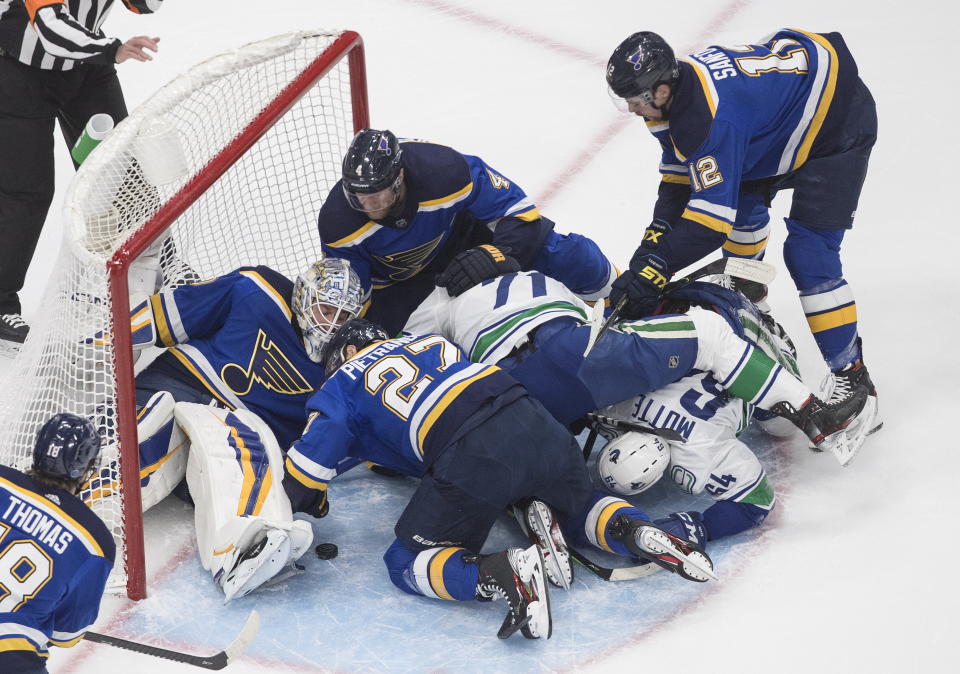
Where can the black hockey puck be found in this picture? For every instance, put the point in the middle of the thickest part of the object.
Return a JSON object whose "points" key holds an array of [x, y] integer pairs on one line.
{"points": [[326, 550]]}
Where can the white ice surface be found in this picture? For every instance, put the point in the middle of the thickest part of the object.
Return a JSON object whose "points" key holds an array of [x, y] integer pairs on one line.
{"points": [[852, 571]]}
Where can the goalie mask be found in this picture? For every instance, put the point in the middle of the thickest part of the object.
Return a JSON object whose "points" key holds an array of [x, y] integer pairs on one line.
{"points": [[325, 297], [633, 463]]}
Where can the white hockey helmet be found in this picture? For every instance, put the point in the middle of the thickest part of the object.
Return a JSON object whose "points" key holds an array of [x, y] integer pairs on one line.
{"points": [[633, 462], [325, 296]]}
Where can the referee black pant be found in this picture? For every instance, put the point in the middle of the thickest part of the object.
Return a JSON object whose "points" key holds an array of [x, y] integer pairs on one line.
{"points": [[31, 100]]}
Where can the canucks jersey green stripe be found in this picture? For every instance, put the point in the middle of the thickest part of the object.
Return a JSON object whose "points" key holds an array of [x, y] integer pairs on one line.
{"points": [[752, 376], [484, 343], [761, 495], [763, 339], [658, 326]]}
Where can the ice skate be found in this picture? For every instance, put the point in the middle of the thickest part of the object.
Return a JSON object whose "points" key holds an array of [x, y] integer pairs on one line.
{"points": [[13, 333], [839, 427], [517, 575], [263, 560], [539, 523], [647, 541]]}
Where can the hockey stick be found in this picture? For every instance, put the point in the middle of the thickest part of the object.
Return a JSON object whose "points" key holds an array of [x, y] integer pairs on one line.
{"points": [[745, 268], [667, 434], [613, 575], [215, 661]]}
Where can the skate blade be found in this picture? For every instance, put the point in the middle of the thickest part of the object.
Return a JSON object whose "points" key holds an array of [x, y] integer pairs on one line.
{"points": [[667, 547], [509, 627], [846, 444], [540, 623], [552, 555]]}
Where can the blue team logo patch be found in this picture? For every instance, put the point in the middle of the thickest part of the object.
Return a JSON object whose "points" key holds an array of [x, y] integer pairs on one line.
{"points": [[636, 59], [384, 147]]}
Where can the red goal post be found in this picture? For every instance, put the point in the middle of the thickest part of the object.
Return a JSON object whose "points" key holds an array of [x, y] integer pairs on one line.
{"points": [[225, 166]]}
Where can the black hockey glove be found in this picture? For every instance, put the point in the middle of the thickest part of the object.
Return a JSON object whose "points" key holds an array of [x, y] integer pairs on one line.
{"points": [[640, 284], [473, 266]]}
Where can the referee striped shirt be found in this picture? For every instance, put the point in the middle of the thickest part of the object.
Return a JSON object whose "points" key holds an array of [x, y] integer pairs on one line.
{"points": [[55, 34]]}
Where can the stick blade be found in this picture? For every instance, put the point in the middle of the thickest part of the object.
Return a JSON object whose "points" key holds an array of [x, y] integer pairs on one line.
{"points": [[751, 270], [249, 631]]}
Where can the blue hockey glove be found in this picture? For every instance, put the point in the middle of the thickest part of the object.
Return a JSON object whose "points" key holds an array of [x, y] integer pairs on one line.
{"points": [[640, 284], [685, 525], [473, 266]]}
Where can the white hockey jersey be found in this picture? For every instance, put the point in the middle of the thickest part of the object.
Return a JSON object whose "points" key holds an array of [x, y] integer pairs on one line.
{"points": [[489, 320]]}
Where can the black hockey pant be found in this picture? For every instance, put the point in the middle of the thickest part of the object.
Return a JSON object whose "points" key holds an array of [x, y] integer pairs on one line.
{"points": [[30, 101]]}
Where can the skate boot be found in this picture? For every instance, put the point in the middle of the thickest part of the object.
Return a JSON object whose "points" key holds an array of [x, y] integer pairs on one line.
{"points": [[13, 332], [517, 575], [263, 560], [835, 427], [839, 383], [647, 541], [540, 525]]}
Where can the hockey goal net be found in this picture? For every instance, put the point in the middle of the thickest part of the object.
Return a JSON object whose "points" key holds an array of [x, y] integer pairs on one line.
{"points": [[225, 166]]}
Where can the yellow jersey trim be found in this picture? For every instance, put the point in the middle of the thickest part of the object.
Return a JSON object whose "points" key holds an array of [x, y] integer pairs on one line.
{"points": [[444, 402], [35, 500], [350, 237], [708, 221], [160, 318], [450, 197], [302, 477], [826, 98]]}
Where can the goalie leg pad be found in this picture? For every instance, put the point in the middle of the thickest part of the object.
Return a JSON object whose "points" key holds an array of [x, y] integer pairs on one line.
{"points": [[235, 474], [163, 449]]}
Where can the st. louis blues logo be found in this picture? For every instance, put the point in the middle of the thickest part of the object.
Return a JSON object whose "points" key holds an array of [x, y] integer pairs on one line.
{"points": [[384, 147], [636, 59]]}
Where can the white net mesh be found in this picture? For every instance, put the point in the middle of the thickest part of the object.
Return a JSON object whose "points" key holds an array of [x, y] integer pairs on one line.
{"points": [[260, 210]]}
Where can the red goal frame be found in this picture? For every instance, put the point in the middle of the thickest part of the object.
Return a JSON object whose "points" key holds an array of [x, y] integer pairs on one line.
{"points": [[349, 45]]}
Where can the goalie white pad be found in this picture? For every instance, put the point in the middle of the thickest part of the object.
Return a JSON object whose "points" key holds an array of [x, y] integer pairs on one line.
{"points": [[162, 453], [163, 450], [246, 533]]}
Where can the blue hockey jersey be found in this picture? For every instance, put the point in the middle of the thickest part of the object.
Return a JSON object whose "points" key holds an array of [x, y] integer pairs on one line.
{"points": [[442, 184], [397, 403], [744, 113], [55, 556], [236, 337]]}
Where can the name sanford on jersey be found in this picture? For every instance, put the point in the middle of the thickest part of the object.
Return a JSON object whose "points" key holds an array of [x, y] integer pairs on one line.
{"points": [[719, 63], [38, 524]]}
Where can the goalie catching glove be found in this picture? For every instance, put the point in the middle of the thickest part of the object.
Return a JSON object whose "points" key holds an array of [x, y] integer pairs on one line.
{"points": [[473, 266]]}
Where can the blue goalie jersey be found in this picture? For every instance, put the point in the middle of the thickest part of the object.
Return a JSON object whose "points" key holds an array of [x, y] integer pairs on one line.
{"points": [[397, 403], [441, 184], [236, 338], [55, 556], [749, 112]]}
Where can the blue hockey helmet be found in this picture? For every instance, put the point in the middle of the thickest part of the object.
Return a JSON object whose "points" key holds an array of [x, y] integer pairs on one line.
{"points": [[372, 164], [641, 63], [66, 446], [357, 332]]}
